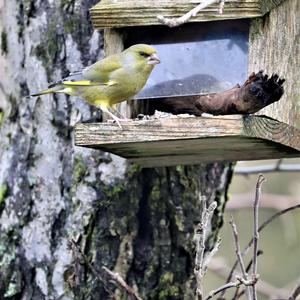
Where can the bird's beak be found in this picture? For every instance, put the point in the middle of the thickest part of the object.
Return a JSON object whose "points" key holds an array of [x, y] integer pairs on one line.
{"points": [[153, 59]]}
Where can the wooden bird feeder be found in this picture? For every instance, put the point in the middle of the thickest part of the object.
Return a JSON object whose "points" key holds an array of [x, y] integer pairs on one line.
{"points": [[211, 53]]}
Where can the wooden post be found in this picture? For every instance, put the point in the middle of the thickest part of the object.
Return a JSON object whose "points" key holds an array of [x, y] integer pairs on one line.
{"points": [[113, 43], [274, 47]]}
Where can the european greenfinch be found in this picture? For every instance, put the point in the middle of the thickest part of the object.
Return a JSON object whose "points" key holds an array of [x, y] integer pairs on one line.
{"points": [[111, 80]]}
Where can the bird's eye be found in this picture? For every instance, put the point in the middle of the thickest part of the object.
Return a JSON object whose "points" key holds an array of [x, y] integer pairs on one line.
{"points": [[144, 54]]}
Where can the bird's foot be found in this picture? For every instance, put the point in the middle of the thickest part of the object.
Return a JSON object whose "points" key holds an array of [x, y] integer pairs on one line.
{"points": [[118, 121], [114, 117]]}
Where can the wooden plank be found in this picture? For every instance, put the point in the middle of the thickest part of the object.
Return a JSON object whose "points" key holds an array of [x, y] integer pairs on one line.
{"points": [[118, 23], [113, 42], [124, 13], [268, 5], [274, 47], [190, 140]]}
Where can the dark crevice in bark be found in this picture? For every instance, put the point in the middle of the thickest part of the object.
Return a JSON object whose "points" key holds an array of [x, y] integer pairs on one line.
{"points": [[17, 176], [144, 235], [57, 229]]}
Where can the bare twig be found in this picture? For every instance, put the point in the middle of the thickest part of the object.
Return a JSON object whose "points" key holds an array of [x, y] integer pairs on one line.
{"points": [[121, 282], [237, 248], [259, 252], [200, 237], [218, 266], [262, 226], [78, 253], [173, 22], [295, 293], [221, 7], [211, 254], [229, 285], [259, 183], [239, 255], [238, 294]]}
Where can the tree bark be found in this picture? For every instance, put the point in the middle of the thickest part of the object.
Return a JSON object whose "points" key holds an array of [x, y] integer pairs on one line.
{"points": [[138, 222]]}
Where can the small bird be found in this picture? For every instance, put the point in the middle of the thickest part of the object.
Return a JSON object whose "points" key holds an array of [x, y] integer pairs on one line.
{"points": [[111, 80]]}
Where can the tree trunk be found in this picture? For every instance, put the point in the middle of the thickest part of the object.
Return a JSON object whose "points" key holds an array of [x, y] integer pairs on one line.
{"points": [[138, 222]]}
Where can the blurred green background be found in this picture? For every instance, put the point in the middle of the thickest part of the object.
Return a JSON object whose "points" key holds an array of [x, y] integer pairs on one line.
{"points": [[279, 265]]}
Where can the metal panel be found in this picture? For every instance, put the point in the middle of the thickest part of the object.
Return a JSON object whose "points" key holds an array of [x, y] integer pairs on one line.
{"points": [[195, 58]]}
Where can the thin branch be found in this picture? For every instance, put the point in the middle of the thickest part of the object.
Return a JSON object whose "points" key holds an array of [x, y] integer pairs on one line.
{"points": [[173, 22], [295, 293], [259, 183], [121, 282], [262, 226], [77, 250], [259, 252], [218, 267], [278, 167], [223, 288], [201, 231], [237, 295], [239, 255], [200, 234], [211, 254], [221, 7], [237, 248], [229, 285]]}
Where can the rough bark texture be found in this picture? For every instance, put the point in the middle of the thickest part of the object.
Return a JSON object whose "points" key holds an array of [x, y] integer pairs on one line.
{"points": [[137, 222], [274, 47]]}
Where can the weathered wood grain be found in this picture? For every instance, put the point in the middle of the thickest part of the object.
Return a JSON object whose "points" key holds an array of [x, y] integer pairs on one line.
{"points": [[275, 47], [268, 5], [113, 42], [124, 13], [181, 140]]}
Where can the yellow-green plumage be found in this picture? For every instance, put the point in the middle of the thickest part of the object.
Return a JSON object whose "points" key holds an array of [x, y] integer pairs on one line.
{"points": [[112, 80]]}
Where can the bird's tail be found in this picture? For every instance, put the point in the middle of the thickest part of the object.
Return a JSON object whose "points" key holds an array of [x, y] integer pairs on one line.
{"points": [[44, 92], [53, 88]]}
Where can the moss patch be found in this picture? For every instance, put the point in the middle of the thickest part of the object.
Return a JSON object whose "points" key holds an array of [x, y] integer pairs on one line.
{"points": [[168, 290], [3, 193], [256, 28], [1, 117], [79, 168], [49, 49], [10, 283]]}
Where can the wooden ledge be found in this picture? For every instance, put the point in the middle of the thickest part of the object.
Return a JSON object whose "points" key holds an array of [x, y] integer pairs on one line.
{"points": [[191, 140], [124, 13]]}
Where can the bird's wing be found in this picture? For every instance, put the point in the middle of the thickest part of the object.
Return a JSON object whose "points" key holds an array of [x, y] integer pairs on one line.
{"points": [[99, 73], [74, 79], [103, 70]]}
